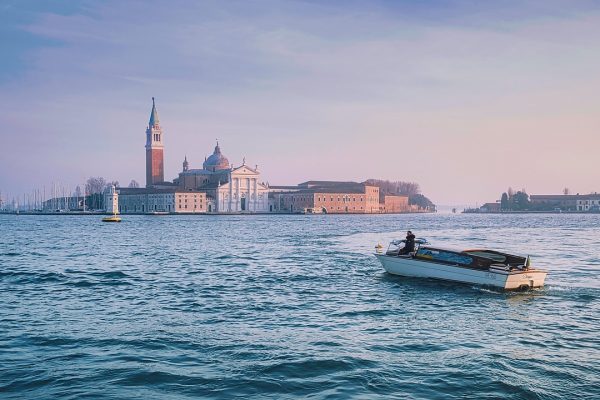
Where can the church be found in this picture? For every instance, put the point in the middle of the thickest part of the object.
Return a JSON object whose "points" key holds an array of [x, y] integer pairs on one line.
{"points": [[217, 187], [227, 188], [220, 188]]}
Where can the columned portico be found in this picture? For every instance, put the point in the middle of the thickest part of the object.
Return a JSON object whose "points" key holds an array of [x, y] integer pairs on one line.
{"points": [[231, 189]]}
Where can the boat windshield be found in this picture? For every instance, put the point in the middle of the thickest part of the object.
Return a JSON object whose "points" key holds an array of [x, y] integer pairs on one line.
{"points": [[394, 247], [397, 245]]}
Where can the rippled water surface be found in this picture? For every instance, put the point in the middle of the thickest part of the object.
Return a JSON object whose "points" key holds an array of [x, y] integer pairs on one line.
{"points": [[179, 307]]}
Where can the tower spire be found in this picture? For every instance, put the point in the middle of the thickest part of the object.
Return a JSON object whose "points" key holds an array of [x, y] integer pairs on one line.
{"points": [[153, 115], [154, 149]]}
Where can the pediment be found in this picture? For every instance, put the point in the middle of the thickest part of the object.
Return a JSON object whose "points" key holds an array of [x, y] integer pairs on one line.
{"points": [[244, 170]]}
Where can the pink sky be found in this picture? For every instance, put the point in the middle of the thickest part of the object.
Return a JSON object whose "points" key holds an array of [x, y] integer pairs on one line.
{"points": [[464, 101]]}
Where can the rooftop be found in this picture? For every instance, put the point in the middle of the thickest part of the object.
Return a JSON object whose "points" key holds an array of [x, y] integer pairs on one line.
{"points": [[132, 191], [589, 196]]}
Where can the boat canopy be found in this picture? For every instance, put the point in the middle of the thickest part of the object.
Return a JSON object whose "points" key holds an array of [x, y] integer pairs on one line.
{"points": [[480, 259], [497, 257]]}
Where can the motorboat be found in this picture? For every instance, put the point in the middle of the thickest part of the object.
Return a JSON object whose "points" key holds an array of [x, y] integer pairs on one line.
{"points": [[475, 266]]}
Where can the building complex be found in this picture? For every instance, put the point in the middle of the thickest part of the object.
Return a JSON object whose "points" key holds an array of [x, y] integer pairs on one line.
{"points": [[551, 203], [220, 187]]}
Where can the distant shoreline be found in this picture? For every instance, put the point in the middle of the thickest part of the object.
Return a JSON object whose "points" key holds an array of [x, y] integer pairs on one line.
{"points": [[81, 213], [530, 212]]}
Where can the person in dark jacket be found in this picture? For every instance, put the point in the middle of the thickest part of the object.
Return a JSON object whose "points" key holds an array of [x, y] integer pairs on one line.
{"points": [[409, 245]]}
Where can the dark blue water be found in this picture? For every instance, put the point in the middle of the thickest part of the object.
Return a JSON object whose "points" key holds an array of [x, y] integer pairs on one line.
{"points": [[283, 307]]}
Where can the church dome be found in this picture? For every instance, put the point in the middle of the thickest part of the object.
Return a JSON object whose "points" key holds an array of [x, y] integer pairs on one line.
{"points": [[216, 161]]}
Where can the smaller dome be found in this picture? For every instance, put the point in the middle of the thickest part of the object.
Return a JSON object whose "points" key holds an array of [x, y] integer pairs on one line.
{"points": [[216, 161]]}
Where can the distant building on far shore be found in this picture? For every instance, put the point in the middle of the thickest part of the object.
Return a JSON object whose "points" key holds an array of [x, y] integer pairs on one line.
{"points": [[334, 198], [566, 202], [548, 203], [490, 208], [165, 200]]}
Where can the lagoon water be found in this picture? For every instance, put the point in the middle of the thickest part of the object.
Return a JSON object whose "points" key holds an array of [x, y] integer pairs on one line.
{"points": [[282, 307]]}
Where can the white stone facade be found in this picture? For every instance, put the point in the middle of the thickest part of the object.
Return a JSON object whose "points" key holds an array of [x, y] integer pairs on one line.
{"points": [[589, 203], [242, 193], [228, 189]]}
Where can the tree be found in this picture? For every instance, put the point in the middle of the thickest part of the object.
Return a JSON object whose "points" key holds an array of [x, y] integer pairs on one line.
{"points": [[94, 187], [395, 187], [521, 201], [504, 202], [421, 201], [134, 184], [409, 188]]}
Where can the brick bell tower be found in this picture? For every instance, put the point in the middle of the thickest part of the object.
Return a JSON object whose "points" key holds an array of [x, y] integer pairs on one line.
{"points": [[155, 172]]}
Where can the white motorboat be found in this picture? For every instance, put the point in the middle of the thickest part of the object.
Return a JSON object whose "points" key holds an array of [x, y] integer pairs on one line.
{"points": [[477, 266]]}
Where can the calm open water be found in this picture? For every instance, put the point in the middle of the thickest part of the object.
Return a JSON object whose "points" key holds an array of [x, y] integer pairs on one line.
{"points": [[282, 307]]}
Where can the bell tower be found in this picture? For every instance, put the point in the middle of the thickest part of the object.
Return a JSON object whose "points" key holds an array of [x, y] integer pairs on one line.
{"points": [[154, 150]]}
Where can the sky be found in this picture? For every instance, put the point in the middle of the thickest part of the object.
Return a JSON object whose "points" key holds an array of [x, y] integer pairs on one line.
{"points": [[466, 98]]}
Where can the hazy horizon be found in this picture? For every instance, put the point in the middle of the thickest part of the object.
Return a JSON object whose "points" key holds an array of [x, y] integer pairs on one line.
{"points": [[464, 98]]}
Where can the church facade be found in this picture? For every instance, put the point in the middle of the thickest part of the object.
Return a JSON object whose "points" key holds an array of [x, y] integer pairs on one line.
{"points": [[228, 189]]}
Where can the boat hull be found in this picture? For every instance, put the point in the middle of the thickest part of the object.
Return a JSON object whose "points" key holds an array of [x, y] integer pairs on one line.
{"points": [[111, 219], [508, 280]]}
